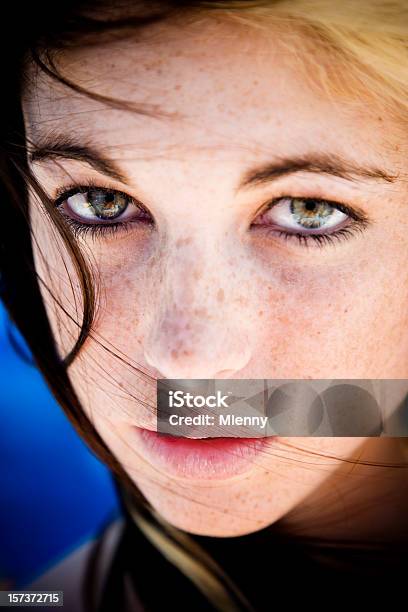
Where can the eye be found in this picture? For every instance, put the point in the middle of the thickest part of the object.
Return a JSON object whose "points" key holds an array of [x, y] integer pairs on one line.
{"points": [[94, 205], [100, 212], [303, 214], [308, 219]]}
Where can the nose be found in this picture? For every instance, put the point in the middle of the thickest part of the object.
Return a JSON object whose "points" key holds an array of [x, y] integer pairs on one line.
{"points": [[197, 328], [189, 343]]}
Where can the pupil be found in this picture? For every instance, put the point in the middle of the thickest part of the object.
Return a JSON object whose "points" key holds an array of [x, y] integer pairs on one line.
{"points": [[310, 205], [99, 198]]}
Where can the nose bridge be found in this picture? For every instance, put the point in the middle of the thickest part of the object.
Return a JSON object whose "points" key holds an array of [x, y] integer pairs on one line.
{"points": [[189, 292], [193, 332], [191, 274]]}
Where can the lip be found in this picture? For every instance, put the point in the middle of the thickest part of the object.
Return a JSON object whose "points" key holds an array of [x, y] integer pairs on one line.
{"points": [[200, 458]]}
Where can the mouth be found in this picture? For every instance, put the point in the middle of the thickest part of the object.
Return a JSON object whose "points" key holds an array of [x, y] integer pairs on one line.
{"points": [[200, 458]]}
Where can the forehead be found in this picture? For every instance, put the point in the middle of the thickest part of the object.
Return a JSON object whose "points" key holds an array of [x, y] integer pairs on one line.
{"points": [[213, 86]]}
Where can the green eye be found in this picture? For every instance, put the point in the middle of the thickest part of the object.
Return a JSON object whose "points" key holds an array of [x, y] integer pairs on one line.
{"points": [[309, 220], [307, 214], [100, 206], [99, 203]]}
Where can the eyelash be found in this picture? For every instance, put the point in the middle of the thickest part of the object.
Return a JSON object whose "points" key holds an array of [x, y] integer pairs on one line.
{"points": [[95, 230], [357, 225], [321, 239]]}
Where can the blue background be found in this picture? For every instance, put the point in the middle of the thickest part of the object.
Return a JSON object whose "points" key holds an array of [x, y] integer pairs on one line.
{"points": [[54, 494]]}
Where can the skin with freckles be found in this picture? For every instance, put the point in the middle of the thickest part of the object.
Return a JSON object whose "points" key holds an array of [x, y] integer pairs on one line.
{"points": [[208, 290]]}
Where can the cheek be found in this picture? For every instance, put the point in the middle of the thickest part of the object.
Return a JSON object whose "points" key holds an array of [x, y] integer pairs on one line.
{"points": [[107, 366], [337, 321], [58, 280]]}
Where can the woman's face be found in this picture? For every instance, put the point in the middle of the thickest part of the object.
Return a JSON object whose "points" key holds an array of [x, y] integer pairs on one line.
{"points": [[204, 280]]}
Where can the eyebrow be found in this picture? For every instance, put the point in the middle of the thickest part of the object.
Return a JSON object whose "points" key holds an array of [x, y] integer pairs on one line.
{"points": [[55, 146], [314, 163], [59, 146]]}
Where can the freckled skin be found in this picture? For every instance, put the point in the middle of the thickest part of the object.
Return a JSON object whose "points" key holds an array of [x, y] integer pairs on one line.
{"points": [[200, 295]]}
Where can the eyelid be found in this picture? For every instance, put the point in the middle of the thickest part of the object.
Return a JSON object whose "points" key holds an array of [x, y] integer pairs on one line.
{"points": [[66, 191]]}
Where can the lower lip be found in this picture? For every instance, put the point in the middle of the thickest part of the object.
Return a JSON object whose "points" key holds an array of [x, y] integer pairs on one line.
{"points": [[204, 458]]}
